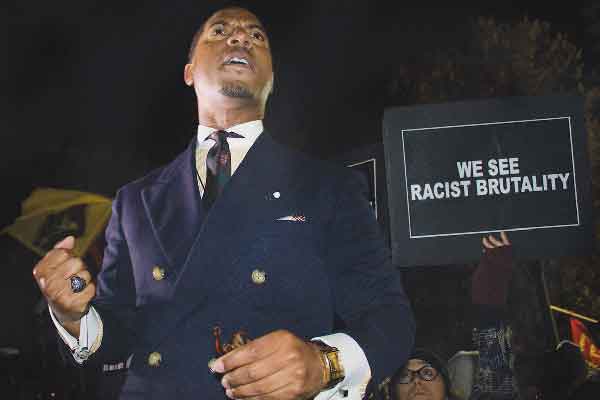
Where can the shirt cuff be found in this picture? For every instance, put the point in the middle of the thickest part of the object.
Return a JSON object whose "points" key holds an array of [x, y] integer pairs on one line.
{"points": [[90, 335], [356, 368]]}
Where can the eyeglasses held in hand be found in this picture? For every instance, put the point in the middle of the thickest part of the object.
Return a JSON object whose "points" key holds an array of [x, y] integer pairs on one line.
{"points": [[238, 339]]}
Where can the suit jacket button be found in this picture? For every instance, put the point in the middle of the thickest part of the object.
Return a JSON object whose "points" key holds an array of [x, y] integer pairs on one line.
{"points": [[158, 273], [154, 359], [259, 276]]}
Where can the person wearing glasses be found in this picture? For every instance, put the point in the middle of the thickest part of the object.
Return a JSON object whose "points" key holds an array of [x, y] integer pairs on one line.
{"points": [[424, 377]]}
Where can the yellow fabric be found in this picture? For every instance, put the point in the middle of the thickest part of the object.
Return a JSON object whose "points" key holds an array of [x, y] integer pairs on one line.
{"points": [[49, 215]]}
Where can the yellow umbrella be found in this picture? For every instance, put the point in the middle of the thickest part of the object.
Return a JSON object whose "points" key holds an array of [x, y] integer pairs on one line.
{"points": [[48, 215]]}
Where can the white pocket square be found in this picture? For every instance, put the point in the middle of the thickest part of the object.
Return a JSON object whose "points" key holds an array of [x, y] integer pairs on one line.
{"points": [[293, 218]]}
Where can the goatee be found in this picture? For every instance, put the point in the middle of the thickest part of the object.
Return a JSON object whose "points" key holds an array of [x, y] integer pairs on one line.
{"points": [[235, 90]]}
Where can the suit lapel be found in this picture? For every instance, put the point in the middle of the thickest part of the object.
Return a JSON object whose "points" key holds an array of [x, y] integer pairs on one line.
{"points": [[173, 207], [245, 201], [241, 203]]}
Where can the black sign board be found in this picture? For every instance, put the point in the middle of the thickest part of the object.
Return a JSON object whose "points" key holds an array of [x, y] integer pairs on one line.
{"points": [[368, 163], [458, 171], [367, 169]]}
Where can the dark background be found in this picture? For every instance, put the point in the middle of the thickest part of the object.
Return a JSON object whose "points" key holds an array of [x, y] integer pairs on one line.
{"points": [[96, 96]]}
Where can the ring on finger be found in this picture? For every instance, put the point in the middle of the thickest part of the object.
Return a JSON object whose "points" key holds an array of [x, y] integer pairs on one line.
{"points": [[78, 284]]}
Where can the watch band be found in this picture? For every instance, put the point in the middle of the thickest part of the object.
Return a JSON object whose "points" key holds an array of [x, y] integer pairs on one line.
{"points": [[333, 370]]}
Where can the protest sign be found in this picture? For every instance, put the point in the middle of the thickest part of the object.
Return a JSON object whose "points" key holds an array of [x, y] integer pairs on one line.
{"points": [[456, 172]]}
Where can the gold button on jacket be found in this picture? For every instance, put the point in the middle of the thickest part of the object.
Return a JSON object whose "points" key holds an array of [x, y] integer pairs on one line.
{"points": [[154, 359], [158, 273], [259, 277]]}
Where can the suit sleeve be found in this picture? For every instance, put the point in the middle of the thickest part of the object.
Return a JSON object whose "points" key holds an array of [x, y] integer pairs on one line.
{"points": [[367, 290], [115, 294]]}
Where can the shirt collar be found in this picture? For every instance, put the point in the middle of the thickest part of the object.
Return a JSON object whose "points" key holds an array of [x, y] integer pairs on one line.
{"points": [[249, 130]]}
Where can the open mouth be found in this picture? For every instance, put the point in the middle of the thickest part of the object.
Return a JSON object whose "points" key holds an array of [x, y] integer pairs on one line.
{"points": [[238, 60]]}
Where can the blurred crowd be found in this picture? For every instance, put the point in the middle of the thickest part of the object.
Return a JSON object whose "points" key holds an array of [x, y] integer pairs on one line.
{"points": [[504, 362]]}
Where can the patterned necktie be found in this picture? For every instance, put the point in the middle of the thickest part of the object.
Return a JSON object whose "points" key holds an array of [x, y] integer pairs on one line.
{"points": [[218, 166]]}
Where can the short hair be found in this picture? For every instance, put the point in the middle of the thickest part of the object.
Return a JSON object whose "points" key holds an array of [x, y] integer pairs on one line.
{"points": [[209, 12]]}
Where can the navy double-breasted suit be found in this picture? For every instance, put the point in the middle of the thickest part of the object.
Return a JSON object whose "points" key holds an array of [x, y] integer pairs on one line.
{"points": [[331, 261]]}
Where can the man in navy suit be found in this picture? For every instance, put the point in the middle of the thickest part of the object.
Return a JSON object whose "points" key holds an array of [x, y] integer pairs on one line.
{"points": [[289, 244]]}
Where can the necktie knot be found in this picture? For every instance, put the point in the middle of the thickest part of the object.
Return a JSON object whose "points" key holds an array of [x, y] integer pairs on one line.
{"points": [[221, 136], [218, 166]]}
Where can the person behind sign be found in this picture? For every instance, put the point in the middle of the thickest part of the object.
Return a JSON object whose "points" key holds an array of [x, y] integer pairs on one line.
{"points": [[426, 376], [492, 332], [509, 365], [280, 249], [506, 364]]}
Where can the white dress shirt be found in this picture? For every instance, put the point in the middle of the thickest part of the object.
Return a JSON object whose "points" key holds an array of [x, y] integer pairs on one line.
{"points": [[356, 366]]}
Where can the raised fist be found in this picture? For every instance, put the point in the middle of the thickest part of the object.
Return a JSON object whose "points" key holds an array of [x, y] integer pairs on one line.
{"points": [[66, 283]]}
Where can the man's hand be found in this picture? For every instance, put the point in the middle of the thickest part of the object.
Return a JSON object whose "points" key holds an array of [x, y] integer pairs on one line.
{"points": [[278, 366], [53, 275]]}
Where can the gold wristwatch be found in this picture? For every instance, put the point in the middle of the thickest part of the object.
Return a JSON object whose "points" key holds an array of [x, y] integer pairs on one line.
{"points": [[333, 370]]}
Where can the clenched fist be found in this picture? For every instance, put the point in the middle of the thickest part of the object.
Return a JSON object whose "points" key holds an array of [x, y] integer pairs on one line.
{"points": [[53, 275], [276, 366]]}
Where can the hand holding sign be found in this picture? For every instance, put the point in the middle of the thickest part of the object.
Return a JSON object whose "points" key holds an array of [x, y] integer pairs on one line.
{"points": [[489, 284], [490, 242]]}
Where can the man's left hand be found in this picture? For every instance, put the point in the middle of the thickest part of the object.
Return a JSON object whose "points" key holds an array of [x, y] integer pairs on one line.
{"points": [[278, 366]]}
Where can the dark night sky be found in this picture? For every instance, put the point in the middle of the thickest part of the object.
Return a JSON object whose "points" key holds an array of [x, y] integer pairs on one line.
{"points": [[96, 97]]}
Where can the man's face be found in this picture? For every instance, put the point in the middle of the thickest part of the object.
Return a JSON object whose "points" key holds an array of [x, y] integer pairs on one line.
{"points": [[232, 58], [417, 388]]}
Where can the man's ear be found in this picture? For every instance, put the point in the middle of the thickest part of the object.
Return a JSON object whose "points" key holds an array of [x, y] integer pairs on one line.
{"points": [[188, 76]]}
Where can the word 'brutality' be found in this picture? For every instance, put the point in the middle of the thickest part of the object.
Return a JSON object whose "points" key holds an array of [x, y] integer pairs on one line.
{"points": [[490, 186]]}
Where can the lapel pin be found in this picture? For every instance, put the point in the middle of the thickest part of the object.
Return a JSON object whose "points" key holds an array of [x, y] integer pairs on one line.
{"points": [[276, 195]]}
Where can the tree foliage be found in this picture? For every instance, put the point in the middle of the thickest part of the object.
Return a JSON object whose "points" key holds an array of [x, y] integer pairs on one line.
{"points": [[497, 59]]}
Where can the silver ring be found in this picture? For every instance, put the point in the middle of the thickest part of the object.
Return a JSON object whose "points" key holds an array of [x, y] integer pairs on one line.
{"points": [[78, 284]]}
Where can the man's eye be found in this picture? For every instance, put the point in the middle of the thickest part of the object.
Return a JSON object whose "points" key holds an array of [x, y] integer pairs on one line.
{"points": [[258, 36], [219, 30]]}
